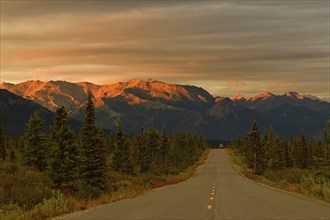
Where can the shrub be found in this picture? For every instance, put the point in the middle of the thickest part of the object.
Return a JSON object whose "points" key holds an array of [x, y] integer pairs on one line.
{"points": [[53, 206], [23, 186], [10, 212], [326, 192], [87, 191], [120, 185], [291, 175]]}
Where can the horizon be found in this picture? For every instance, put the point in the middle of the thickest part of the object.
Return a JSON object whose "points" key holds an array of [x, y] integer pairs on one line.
{"points": [[227, 48], [151, 79]]}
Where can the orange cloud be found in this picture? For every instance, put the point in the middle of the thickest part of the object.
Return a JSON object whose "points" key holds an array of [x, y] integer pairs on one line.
{"points": [[236, 83], [192, 64]]}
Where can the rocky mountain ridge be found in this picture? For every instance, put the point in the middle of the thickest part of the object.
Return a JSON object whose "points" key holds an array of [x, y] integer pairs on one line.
{"points": [[182, 108]]}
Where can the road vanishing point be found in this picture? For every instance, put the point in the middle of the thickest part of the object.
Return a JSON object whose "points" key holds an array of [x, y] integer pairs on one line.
{"points": [[216, 191]]}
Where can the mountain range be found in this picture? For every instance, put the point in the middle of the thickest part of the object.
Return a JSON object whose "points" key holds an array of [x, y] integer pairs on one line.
{"points": [[182, 108]]}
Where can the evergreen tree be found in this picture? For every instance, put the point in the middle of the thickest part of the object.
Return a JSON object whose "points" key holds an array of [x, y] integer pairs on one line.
{"points": [[202, 142], [164, 148], [34, 153], [288, 157], [280, 157], [3, 152], [134, 153], [64, 158], [145, 153], [92, 150], [111, 146], [12, 156], [254, 137], [121, 159], [154, 146], [270, 147], [302, 158], [325, 144]]}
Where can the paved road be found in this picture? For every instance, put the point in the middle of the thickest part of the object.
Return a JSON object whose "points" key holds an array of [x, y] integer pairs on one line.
{"points": [[217, 191]]}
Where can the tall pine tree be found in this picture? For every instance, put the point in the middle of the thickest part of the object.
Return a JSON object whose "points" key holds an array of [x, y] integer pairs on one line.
{"points": [[164, 149], [302, 157], [257, 151], [287, 153], [12, 156], [3, 153], [92, 150], [154, 146], [145, 153], [121, 159], [280, 156], [325, 145], [35, 147], [63, 161]]}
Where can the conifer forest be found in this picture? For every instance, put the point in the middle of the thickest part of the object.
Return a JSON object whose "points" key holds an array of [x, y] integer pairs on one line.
{"points": [[294, 164], [45, 174]]}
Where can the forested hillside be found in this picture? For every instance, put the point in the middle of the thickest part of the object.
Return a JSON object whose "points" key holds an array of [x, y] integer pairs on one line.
{"points": [[295, 164], [43, 175]]}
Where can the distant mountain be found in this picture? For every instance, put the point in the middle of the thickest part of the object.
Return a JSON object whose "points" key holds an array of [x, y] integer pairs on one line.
{"points": [[266, 101], [295, 117], [317, 98], [72, 95], [182, 108], [15, 112]]}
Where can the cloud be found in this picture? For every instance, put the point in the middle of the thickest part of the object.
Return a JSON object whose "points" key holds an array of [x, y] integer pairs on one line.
{"points": [[209, 43], [236, 83], [192, 64]]}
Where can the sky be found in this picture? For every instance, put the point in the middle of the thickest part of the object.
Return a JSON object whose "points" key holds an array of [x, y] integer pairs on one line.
{"points": [[228, 47]]}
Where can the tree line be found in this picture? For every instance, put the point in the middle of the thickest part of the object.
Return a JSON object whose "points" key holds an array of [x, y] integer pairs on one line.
{"points": [[79, 162], [268, 151]]}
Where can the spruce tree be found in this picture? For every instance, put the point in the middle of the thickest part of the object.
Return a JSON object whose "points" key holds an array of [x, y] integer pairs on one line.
{"points": [[287, 153], [92, 150], [191, 147], [202, 142], [302, 151], [280, 157], [325, 145], [164, 148], [268, 144], [12, 156], [34, 153], [134, 153], [64, 158], [257, 151], [121, 159], [3, 152], [154, 146], [145, 153]]}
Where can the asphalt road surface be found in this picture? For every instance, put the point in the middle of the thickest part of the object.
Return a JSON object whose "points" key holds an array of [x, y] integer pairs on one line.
{"points": [[217, 191]]}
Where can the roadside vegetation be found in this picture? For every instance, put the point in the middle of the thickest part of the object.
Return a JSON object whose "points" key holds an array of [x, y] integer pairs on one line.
{"points": [[296, 165], [45, 175]]}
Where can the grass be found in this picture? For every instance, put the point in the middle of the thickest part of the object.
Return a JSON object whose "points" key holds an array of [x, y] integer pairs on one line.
{"points": [[290, 179], [123, 187]]}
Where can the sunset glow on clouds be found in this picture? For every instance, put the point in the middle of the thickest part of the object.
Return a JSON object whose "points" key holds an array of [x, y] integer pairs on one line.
{"points": [[236, 83], [228, 48]]}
